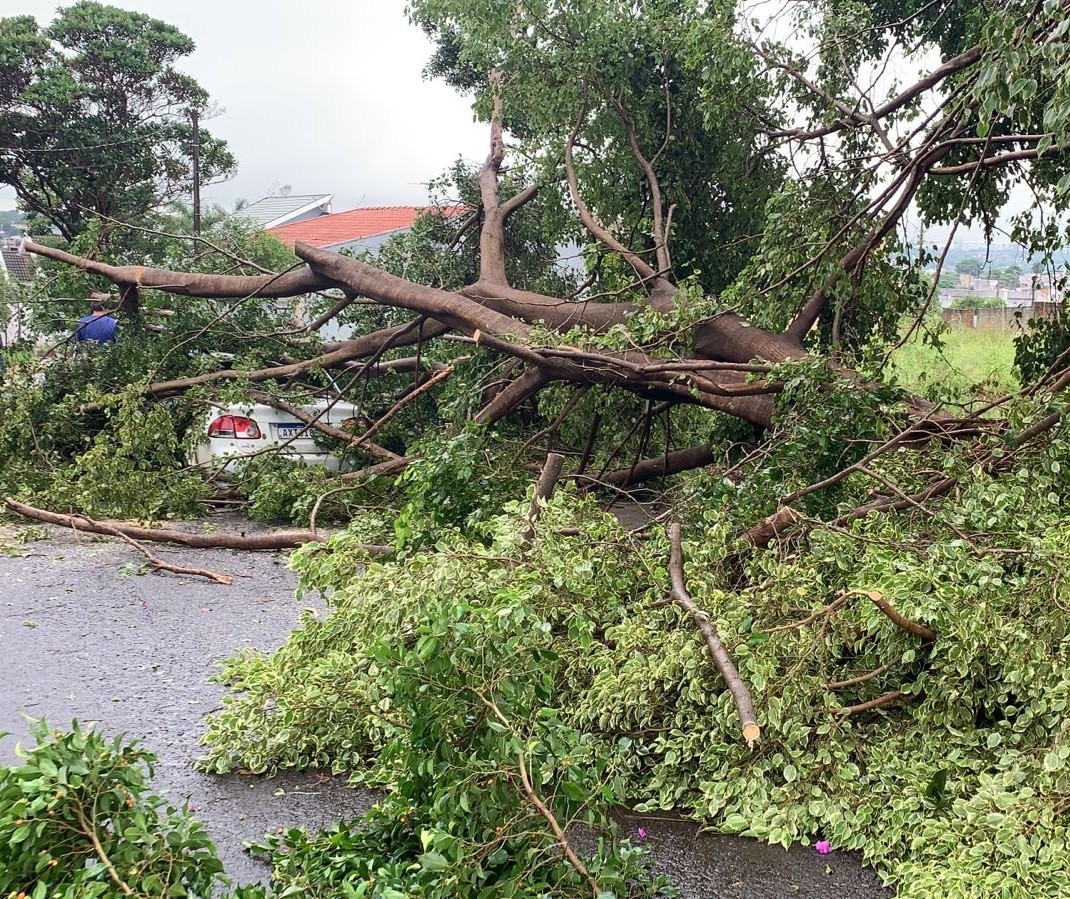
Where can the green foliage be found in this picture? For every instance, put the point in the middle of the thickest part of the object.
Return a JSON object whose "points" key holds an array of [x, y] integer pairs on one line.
{"points": [[663, 61], [568, 640], [136, 462], [451, 685], [286, 490], [1039, 347], [77, 819], [96, 115], [449, 486], [978, 302]]}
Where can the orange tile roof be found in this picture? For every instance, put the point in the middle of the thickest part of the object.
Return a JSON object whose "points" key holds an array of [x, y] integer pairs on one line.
{"points": [[355, 224]]}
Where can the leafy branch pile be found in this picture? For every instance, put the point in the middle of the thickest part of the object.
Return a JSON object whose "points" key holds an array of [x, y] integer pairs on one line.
{"points": [[909, 672]]}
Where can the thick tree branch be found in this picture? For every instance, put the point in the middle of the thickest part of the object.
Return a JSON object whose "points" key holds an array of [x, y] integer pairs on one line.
{"points": [[661, 466], [642, 268], [277, 540], [901, 621], [492, 234], [283, 284], [987, 162], [544, 489], [740, 694], [903, 98], [659, 229]]}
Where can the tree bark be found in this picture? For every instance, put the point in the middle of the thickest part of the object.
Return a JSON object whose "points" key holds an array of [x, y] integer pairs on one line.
{"points": [[740, 694]]}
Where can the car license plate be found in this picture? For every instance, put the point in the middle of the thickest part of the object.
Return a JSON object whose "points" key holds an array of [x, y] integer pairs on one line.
{"points": [[289, 430]]}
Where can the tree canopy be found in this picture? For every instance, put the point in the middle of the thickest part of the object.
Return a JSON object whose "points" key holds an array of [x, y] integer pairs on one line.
{"points": [[96, 116]]}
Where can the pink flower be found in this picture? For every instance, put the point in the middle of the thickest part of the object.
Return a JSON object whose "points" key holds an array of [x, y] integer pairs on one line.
{"points": [[640, 834], [822, 847]]}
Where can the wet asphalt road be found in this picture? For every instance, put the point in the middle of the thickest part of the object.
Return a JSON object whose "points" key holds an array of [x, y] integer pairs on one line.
{"points": [[79, 638]]}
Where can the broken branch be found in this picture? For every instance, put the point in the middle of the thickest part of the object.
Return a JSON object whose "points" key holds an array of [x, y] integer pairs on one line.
{"points": [[740, 694]]}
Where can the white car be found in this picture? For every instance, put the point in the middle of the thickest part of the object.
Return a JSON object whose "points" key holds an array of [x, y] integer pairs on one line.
{"points": [[231, 432]]}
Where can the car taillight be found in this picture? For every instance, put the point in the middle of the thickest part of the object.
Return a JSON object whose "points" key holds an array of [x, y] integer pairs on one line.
{"points": [[237, 427]]}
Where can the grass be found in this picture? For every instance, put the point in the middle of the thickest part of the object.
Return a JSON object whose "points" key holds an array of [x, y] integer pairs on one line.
{"points": [[969, 365]]}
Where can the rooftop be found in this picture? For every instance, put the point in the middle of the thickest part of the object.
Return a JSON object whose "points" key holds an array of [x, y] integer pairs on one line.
{"points": [[17, 265], [356, 224], [270, 212]]}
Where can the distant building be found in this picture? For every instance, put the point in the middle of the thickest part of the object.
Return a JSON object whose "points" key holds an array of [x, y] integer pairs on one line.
{"points": [[982, 303], [272, 212], [14, 264]]}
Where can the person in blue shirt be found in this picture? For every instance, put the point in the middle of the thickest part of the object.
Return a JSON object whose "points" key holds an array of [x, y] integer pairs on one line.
{"points": [[98, 327]]}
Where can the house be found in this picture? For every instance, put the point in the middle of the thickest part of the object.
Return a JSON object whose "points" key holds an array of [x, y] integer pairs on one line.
{"points": [[271, 212], [14, 264], [357, 230]]}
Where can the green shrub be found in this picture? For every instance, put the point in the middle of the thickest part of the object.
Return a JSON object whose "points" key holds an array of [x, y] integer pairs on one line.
{"points": [[77, 820]]}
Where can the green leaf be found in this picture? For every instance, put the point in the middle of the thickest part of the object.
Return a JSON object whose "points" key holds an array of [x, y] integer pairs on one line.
{"points": [[432, 861]]}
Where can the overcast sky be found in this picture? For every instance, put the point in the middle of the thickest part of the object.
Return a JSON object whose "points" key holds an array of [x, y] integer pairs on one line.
{"points": [[326, 96]]}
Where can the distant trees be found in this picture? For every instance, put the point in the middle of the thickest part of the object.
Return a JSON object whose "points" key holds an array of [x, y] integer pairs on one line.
{"points": [[95, 117], [1008, 277]]}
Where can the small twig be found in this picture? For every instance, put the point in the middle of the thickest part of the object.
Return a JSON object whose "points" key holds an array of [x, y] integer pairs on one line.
{"points": [[879, 703], [740, 693], [154, 560], [541, 807], [559, 834], [820, 613], [90, 831], [861, 679], [911, 627], [319, 502], [570, 404], [436, 378]]}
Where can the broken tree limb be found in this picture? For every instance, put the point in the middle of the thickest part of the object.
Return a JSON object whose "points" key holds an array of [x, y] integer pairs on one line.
{"points": [[192, 284], [544, 489], [155, 561], [901, 621], [391, 466], [786, 518], [277, 540], [659, 466], [740, 693]]}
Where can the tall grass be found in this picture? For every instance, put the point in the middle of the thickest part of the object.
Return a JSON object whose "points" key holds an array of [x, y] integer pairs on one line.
{"points": [[968, 365]]}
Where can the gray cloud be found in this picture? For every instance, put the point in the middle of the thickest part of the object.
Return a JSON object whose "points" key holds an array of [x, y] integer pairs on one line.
{"points": [[322, 95]]}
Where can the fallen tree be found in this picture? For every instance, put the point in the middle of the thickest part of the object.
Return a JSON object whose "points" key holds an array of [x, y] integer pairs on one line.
{"points": [[695, 351], [726, 352]]}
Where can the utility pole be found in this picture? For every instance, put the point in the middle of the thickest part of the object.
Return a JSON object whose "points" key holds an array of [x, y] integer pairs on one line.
{"points": [[196, 172]]}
